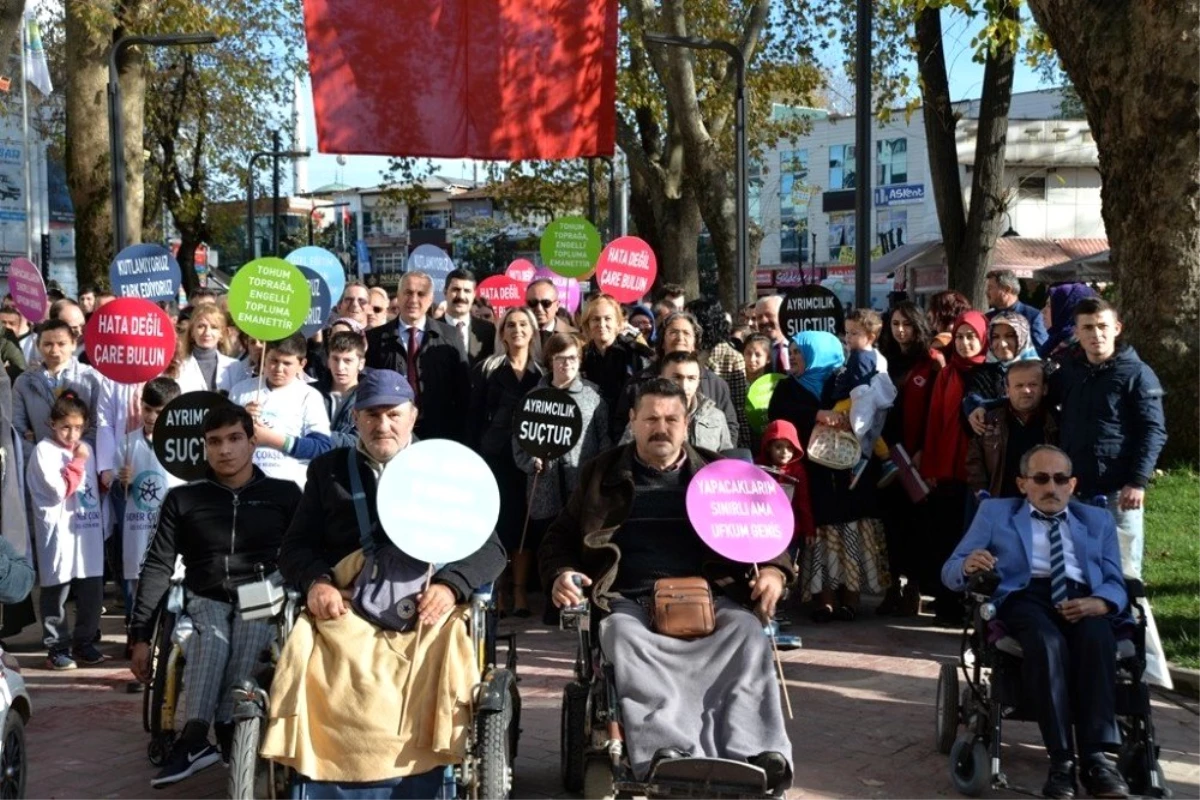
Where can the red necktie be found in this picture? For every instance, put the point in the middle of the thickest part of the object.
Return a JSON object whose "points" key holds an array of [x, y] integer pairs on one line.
{"points": [[414, 379]]}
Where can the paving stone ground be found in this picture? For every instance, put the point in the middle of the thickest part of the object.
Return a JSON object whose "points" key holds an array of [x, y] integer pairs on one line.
{"points": [[863, 695]]}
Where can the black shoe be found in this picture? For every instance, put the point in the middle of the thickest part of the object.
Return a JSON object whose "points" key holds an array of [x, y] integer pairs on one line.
{"points": [[1101, 779], [1060, 782], [665, 754], [779, 774], [185, 762]]}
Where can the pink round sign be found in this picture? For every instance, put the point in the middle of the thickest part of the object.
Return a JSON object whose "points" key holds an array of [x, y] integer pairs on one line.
{"points": [[626, 269], [740, 511], [522, 270], [501, 292], [568, 288], [27, 289]]}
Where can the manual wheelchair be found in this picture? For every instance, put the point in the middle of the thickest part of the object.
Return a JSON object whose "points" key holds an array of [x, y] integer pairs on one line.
{"points": [[160, 697], [486, 769], [593, 759], [990, 663]]}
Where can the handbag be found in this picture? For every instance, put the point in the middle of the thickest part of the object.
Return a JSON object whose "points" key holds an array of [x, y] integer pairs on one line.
{"points": [[833, 447], [682, 608], [385, 590]]}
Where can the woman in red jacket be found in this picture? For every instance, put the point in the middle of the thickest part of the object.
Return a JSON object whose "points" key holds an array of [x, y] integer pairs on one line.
{"points": [[944, 457], [905, 343]]}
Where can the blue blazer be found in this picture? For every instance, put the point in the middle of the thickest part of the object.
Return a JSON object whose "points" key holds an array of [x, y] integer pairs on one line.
{"points": [[1004, 528]]}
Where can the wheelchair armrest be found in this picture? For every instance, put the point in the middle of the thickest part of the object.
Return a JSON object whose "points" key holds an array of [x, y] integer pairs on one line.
{"points": [[569, 618], [984, 583], [1135, 589], [483, 593]]}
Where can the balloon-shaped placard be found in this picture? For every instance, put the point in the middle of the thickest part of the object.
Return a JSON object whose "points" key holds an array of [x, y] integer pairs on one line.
{"points": [[570, 247], [811, 308], [438, 501], [269, 299], [740, 511], [434, 262], [178, 442], [27, 288], [547, 423], [521, 270], [325, 264], [569, 295], [130, 340], [626, 269], [148, 271], [318, 312], [501, 292], [758, 399]]}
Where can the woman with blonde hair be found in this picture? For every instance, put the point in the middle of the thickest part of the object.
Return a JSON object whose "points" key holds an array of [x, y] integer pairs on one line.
{"points": [[206, 368], [610, 359], [497, 385]]}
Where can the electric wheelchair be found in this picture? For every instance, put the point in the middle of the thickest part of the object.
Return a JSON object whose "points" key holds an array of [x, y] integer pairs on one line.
{"points": [[593, 759], [486, 769], [969, 724]]}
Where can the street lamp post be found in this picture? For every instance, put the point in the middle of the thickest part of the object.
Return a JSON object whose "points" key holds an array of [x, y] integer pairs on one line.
{"points": [[745, 285], [116, 135], [274, 153], [862, 144]]}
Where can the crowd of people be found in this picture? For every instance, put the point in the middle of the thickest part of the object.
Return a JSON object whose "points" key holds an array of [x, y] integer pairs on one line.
{"points": [[947, 398]]}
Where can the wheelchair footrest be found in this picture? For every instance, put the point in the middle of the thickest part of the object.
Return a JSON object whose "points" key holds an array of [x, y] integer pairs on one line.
{"points": [[707, 777]]}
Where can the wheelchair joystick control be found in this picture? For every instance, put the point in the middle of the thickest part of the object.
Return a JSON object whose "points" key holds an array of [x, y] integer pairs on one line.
{"points": [[570, 616]]}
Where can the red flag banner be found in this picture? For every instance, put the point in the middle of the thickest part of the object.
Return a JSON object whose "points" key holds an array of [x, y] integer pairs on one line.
{"points": [[487, 79]]}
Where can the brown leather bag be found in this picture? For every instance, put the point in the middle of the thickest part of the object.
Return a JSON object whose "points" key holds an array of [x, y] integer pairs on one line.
{"points": [[683, 608]]}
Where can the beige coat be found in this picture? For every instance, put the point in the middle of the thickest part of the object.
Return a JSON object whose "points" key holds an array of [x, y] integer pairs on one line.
{"points": [[338, 697]]}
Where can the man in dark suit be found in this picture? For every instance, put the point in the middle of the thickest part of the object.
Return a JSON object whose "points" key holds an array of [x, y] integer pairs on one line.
{"points": [[478, 336], [430, 354], [542, 298], [1060, 583], [1003, 288]]}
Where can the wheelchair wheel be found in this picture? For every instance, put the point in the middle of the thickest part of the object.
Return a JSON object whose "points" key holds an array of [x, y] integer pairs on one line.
{"points": [[494, 758], [243, 758], [1143, 779], [947, 708], [970, 766], [571, 741], [597, 780]]}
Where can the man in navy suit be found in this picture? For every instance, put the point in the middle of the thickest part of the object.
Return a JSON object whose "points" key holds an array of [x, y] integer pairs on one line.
{"points": [[1060, 581]]}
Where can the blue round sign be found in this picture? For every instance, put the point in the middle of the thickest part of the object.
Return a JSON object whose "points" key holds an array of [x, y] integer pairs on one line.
{"points": [[434, 262], [325, 264], [148, 271], [318, 312]]}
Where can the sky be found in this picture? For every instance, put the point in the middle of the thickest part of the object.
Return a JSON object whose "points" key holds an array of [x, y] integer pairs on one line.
{"points": [[966, 80]]}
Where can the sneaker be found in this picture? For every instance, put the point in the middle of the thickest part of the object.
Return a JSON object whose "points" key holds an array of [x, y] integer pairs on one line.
{"points": [[890, 473], [60, 661], [89, 655], [858, 470], [185, 762]]}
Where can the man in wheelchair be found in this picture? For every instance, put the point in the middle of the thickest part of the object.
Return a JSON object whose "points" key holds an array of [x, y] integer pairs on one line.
{"points": [[346, 708], [623, 529], [1060, 589], [227, 528]]}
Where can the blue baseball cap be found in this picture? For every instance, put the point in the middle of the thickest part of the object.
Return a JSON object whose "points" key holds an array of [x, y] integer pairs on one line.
{"points": [[382, 387]]}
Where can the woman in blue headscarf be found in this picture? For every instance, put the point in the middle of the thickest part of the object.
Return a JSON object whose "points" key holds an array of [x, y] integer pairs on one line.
{"points": [[847, 555], [1060, 315]]}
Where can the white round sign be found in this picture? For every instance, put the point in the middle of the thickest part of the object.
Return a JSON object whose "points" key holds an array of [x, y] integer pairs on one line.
{"points": [[438, 501]]}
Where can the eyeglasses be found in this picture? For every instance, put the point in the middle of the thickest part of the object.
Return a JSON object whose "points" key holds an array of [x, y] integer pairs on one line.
{"points": [[544, 303], [362, 301], [1042, 478], [565, 360]]}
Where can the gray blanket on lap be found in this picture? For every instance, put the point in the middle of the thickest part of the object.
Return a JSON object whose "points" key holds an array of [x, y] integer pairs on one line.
{"points": [[715, 697]]}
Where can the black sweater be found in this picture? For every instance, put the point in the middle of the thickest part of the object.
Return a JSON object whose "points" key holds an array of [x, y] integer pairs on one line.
{"points": [[223, 535]]}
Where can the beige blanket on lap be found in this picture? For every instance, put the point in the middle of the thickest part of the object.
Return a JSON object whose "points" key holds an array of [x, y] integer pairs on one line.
{"points": [[338, 701]]}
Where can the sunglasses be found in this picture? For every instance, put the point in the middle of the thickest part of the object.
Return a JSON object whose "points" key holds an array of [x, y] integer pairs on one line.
{"points": [[544, 303], [1042, 478]]}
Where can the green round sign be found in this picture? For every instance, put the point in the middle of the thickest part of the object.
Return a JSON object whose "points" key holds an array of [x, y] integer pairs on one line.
{"points": [[269, 299], [758, 398], [571, 247]]}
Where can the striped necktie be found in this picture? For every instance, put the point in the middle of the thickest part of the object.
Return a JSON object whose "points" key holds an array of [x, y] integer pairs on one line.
{"points": [[1058, 564]]}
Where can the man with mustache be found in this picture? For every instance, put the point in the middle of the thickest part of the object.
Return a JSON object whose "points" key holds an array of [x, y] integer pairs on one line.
{"points": [[478, 336], [625, 527], [225, 528], [1060, 582]]}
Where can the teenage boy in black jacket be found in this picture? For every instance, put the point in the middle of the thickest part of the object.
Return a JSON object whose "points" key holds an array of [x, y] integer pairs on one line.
{"points": [[224, 527]]}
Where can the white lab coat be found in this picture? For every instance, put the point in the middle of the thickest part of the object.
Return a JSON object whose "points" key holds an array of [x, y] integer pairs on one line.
{"points": [[68, 531], [147, 490], [191, 380]]}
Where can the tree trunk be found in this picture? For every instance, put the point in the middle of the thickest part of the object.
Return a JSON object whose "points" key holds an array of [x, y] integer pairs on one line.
{"points": [[131, 74], [671, 226], [88, 165], [940, 124], [1134, 66], [11, 16], [986, 215]]}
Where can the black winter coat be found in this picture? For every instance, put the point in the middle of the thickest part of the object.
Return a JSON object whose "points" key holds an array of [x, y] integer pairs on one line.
{"points": [[223, 534], [1110, 420], [494, 398], [324, 530], [445, 380]]}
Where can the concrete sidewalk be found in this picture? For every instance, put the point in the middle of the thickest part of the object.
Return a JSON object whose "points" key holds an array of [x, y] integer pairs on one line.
{"points": [[863, 695]]}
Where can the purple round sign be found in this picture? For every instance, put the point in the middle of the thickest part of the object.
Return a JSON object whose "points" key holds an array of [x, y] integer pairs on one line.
{"points": [[27, 289], [568, 288], [740, 511]]}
